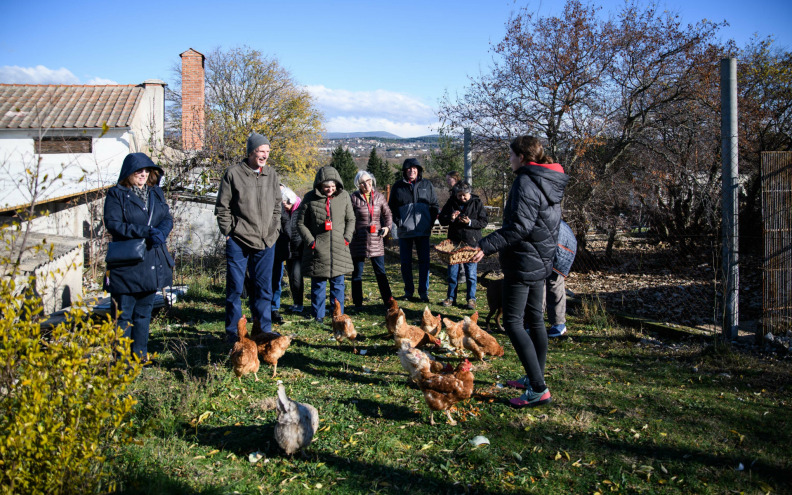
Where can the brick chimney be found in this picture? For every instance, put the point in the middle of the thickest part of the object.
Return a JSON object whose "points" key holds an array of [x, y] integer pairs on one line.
{"points": [[192, 99]]}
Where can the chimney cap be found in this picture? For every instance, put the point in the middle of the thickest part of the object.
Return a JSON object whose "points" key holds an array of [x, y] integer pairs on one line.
{"points": [[194, 51], [154, 81]]}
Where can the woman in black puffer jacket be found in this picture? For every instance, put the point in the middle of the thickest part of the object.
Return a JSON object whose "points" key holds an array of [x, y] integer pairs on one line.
{"points": [[527, 244], [288, 248]]}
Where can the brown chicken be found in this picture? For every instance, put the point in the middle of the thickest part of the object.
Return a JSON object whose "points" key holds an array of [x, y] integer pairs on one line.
{"points": [[392, 315], [431, 324], [297, 423], [412, 334], [271, 346], [443, 390], [244, 357], [466, 334], [415, 361], [342, 325]]}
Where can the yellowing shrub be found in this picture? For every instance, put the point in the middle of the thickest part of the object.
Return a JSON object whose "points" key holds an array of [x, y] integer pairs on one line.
{"points": [[63, 398]]}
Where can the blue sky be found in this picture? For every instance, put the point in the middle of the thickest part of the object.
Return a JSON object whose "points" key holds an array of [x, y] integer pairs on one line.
{"points": [[371, 65]]}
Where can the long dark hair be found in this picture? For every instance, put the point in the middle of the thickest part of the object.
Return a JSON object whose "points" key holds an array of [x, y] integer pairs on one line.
{"points": [[530, 148], [153, 178]]}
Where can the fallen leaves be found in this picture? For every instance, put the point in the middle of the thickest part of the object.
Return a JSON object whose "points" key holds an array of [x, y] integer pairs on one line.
{"points": [[200, 419]]}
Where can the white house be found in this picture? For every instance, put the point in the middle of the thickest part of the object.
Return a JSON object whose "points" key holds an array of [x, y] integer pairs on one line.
{"points": [[73, 139]]}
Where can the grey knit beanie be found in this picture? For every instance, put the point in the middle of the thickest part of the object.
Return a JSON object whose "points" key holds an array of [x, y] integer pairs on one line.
{"points": [[254, 141]]}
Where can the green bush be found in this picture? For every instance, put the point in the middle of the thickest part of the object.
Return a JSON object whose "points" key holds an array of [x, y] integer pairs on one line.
{"points": [[63, 398]]}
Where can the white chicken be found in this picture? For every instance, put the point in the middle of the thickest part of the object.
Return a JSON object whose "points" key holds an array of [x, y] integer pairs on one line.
{"points": [[297, 423]]}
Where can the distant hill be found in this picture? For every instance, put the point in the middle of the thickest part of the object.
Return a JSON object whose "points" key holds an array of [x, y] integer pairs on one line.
{"points": [[368, 134]]}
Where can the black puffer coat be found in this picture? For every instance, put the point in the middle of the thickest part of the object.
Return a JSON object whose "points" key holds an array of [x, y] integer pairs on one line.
{"points": [[527, 241], [290, 244], [330, 256], [126, 217], [459, 232]]}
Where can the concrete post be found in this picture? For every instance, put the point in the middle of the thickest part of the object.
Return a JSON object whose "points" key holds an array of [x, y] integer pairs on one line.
{"points": [[729, 202], [468, 158]]}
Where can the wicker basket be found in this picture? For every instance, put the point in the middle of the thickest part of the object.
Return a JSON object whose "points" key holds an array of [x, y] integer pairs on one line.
{"points": [[453, 255]]}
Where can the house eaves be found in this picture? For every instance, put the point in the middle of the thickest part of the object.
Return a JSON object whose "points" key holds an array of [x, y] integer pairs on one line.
{"points": [[28, 106]]}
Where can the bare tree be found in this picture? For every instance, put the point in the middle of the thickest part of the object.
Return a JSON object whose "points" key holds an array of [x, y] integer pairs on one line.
{"points": [[599, 92]]}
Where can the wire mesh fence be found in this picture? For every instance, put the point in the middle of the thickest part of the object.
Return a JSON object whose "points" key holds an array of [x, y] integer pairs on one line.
{"points": [[777, 230], [678, 281]]}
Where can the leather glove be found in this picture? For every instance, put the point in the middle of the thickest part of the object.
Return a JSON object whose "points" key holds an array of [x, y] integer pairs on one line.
{"points": [[156, 236]]}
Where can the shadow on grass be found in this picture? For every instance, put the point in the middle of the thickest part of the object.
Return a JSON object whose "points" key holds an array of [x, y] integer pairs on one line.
{"points": [[351, 476], [322, 368], [160, 483], [375, 409]]}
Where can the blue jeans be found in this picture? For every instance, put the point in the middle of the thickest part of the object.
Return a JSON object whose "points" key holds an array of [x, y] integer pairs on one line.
{"points": [[258, 264], [134, 318], [277, 279], [522, 306], [405, 257], [318, 286], [470, 275]]}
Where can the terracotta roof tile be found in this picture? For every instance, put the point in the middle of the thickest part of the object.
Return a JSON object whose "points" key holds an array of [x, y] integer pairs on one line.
{"points": [[25, 106]]}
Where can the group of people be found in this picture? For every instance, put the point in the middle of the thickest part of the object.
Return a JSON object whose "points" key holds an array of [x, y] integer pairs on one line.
{"points": [[330, 233]]}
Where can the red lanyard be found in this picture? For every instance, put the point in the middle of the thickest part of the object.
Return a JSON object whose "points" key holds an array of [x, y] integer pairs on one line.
{"points": [[327, 207], [370, 207]]}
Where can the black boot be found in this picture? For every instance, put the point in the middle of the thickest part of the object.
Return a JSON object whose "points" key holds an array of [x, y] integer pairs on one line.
{"points": [[357, 293], [384, 288]]}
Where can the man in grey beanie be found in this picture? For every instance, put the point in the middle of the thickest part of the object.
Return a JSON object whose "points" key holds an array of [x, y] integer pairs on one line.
{"points": [[248, 210]]}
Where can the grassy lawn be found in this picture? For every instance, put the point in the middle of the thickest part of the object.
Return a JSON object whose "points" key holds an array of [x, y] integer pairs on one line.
{"points": [[630, 414]]}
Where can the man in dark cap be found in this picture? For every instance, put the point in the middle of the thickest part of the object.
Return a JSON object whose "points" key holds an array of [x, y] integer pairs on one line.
{"points": [[248, 211], [414, 207]]}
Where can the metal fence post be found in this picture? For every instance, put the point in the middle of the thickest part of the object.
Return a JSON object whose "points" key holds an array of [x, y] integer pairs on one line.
{"points": [[729, 203]]}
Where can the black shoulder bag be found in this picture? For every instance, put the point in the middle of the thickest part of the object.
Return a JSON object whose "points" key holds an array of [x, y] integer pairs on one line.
{"points": [[128, 252]]}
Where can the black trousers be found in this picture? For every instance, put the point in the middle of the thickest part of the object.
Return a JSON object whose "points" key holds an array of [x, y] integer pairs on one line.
{"points": [[523, 320]]}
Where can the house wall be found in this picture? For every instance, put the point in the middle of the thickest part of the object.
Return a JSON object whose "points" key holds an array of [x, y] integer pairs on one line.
{"points": [[60, 281], [76, 218], [148, 124], [79, 171], [57, 270], [195, 231]]}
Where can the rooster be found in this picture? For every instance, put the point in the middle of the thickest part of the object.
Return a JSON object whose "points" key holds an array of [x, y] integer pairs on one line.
{"points": [[412, 334], [414, 361], [342, 324], [442, 390], [271, 346], [466, 334], [297, 423], [431, 324], [244, 357]]}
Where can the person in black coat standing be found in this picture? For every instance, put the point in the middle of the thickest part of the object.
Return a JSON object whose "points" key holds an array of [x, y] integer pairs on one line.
{"points": [[288, 248], [465, 216], [135, 208], [414, 207], [527, 245]]}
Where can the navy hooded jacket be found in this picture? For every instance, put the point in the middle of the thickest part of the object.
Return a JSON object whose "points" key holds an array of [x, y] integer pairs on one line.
{"points": [[127, 217], [528, 239], [414, 206]]}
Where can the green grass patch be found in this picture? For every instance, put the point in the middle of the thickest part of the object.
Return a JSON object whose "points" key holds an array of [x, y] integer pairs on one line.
{"points": [[630, 415]]}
